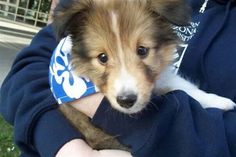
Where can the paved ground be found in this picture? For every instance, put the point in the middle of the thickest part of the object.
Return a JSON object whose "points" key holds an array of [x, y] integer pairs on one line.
{"points": [[8, 52], [12, 39]]}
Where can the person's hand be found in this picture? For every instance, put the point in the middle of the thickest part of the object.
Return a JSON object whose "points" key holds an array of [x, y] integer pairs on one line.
{"points": [[78, 148], [88, 105]]}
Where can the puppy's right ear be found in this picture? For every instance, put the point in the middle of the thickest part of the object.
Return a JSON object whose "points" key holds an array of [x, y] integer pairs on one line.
{"points": [[63, 15]]}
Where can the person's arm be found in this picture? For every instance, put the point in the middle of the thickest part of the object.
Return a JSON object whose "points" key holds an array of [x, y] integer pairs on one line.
{"points": [[28, 104], [172, 125]]}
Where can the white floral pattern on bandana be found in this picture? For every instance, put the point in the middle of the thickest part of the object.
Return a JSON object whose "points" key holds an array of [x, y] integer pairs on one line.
{"points": [[65, 85]]}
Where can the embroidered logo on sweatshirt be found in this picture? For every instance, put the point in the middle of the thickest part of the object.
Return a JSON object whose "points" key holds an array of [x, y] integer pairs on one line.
{"points": [[185, 34]]}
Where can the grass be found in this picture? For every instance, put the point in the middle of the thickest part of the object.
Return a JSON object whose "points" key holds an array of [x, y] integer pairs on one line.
{"points": [[7, 147]]}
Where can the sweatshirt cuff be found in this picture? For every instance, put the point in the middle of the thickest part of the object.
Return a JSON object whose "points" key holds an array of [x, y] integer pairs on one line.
{"points": [[98, 118], [109, 119], [52, 131]]}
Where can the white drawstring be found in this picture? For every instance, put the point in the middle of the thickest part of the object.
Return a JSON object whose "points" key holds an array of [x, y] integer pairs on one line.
{"points": [[203, 8]]}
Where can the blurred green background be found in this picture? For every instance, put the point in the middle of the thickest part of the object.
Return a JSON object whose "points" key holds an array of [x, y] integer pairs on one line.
{"points": [[7, 147]]}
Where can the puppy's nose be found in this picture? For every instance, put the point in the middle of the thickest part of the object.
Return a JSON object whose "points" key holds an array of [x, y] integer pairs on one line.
{"points": [[126, 100]]}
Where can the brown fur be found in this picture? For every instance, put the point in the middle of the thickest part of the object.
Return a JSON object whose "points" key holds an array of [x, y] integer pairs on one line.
{"points": [[118, 28]]}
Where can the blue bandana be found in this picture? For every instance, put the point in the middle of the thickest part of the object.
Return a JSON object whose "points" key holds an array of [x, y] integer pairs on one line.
{"points": [[65, 85]]}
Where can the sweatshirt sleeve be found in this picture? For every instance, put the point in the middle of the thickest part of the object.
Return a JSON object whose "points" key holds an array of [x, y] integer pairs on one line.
{"points": [[172, 125], [27, 103]]}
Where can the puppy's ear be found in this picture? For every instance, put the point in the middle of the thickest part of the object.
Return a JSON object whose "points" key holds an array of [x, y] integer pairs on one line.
{"points": [[63, 15], [175, 11]]}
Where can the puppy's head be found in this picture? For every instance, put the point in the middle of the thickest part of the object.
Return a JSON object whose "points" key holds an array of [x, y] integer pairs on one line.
{"points": [[122, 45]]}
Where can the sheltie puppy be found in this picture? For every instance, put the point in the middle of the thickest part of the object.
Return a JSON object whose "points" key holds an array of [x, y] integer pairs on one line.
{"points": [[125, 47]]}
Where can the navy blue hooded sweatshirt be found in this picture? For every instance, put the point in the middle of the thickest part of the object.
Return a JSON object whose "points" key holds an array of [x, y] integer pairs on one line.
{"points": [[173, 125]]}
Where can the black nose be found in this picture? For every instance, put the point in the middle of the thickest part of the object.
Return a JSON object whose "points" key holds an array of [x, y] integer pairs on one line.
{"points": [[126, 100]]}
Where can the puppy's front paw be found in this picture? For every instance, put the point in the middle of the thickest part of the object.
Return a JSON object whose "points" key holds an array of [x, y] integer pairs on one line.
{"points": [[215, 101]]}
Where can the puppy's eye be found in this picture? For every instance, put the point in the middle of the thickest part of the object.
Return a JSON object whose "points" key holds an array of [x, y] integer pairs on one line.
{"points": [[102, 58], [142, 52]]}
